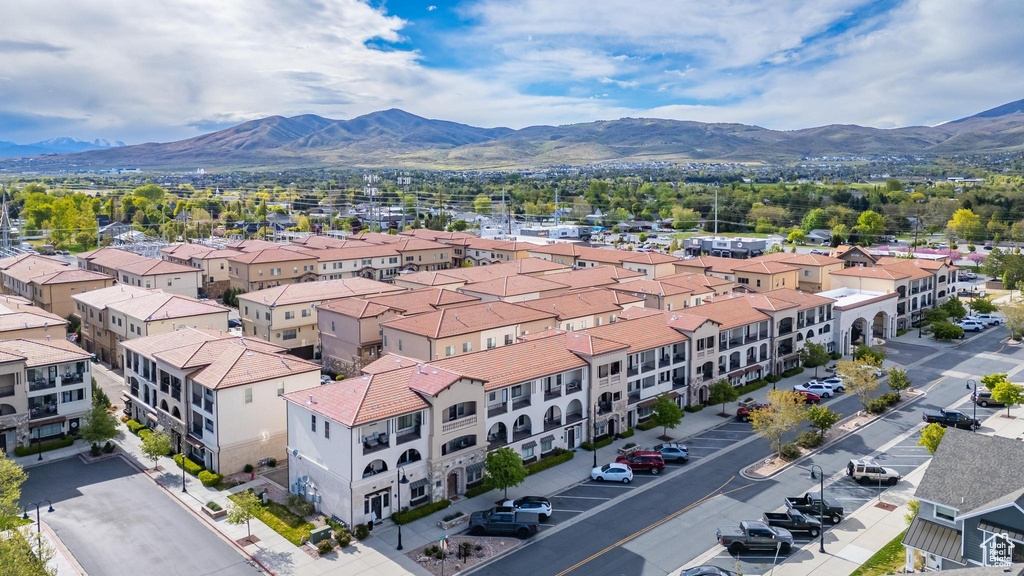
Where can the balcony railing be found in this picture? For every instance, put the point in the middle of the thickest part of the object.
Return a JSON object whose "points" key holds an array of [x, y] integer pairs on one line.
{"points": [[678, 357], [375, 445], [42, 410], [521, 402], [459, 424], [497, 409], [552, 393], [604, 408], [633, 396], [573, 417], [665, 359], [678, 382], [72, 378], [41, 385], [632, 371], [573, 387], [551, 425], [521, 433], [408, 435], [647, 366], [196, 431], [208, 406]]}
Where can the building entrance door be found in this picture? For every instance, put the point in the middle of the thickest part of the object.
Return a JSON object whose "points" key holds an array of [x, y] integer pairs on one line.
{"points": [[453, 484]]}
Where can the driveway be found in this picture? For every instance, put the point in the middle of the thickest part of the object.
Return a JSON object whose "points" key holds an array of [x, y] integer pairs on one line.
{"points": [[116, 522]]}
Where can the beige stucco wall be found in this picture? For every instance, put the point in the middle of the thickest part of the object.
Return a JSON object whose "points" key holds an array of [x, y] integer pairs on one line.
{"points": [[56, 298]]}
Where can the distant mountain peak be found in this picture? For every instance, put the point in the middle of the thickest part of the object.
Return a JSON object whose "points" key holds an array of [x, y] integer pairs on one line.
{"points": [[1015, 107]]}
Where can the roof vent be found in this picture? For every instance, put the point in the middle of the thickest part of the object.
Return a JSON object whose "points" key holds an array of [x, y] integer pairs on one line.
{"points": [[310, 401], [47, 336]]}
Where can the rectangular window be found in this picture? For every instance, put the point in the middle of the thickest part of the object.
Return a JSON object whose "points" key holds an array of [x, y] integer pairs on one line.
{"points": [[449, 351], [945, 513], [467, 347], [305, 312], [280, 388], [289, 315], [327, 430], [267, 316], [312, 422], [289, 334], [527, 452], [248, 395], [490, 343], [508, 339], [545, 446], [399, 344]]}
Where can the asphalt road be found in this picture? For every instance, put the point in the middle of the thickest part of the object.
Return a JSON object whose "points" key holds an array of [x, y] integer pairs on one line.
{"points": [[658, 525], [116, 522]]}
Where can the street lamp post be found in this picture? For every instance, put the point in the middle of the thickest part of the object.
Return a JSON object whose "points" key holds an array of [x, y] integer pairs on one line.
{"points": [[974, 400], [821, 507], [39, 444], [593, 435], [39, 525], [402, 479], [181, 451]]}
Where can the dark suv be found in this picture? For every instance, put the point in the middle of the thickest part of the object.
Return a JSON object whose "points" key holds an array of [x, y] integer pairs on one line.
{"points": [[645, 460]]}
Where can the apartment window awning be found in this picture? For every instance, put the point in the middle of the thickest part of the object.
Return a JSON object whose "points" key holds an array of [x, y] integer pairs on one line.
{"points": [[752, 369], [652, 401], [935, 539], [418, 483], [549, 438], [474, 468], [530, 444]]}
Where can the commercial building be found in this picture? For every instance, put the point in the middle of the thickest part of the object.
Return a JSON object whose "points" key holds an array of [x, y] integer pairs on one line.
{"points": [[728, 246]]}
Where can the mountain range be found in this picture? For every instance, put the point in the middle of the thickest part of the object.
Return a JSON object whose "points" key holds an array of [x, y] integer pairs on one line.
{"points": [[61, 145], [395, 138]]}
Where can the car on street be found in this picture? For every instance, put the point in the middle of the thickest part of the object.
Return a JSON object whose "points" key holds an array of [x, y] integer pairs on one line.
{"points": [[971, 325], [614, 472], [816, 386], [869, 472], [502, 522], [809, 397], [536, 504], [984, 398], [877, 370], [811, 504], [707, 570], [643, 461], [673, 452], [753, 535], [794, 521], [953, 418], [972, 275]]}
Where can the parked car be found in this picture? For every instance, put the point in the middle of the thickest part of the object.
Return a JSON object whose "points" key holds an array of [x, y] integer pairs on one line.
{"points": [[837, 384], [868, 472], [536, 504], [614, 472], [325, 379], [644, 461], [810, 503], [794, 521], [953, 418], [876, 369], [990, 319], [673, 452], [817, 387], [984, 398], [809, 397], [971, 325], [746, 407], [707, 570], [752, 535], [972, 275], [498, 522], [235, 323]]}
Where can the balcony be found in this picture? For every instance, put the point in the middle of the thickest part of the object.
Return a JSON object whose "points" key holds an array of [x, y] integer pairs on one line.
{"points": [[196, 431], [459, 424], [633, 396], [44, 384], [208, 406], [375, 444], [604, 408], [573, 387], [632, 371], [197, 400], [553, 392], [647, 366], [408, 435], [42, 409], [665, 359], [573, 417], [550, 425], [72, 378], [521, 434], [521, 402], [678, 357], [497, 409], [7, 390], [678, 382]]}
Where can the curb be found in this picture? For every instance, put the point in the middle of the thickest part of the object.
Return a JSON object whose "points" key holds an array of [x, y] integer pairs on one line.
{"points": [[803, 457]]}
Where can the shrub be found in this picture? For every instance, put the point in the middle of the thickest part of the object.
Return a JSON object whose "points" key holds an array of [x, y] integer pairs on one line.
{"points": [[697, 407], [645, 425], [209, 478], [300, 505], [808, 440], [45, 446], [755, 385], [901, 332], [108, 448], [272, 462], [789, 451], [627, 433], [877, 406], [213, 506], [145, 433], [556, 457], [629, 445], [771, 379], [482, 488], [95, 451], [835, 355], [890, 398], [324, 547], [793, 372], [124, 419], [135, 426], [406, 515], [452, 516], [248, 468], [191, 467], [362, 532], [344, 539]]}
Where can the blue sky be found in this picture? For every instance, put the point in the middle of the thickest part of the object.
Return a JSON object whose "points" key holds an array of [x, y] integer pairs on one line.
{"points": [[136, 72]]}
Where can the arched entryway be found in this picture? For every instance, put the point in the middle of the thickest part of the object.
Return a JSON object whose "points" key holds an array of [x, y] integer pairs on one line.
{"points": [[880, 325], [452, 484]]}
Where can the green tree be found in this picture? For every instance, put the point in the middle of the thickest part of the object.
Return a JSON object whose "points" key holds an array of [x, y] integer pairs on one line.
{"points": [[992, 380], [244, 507], [869, 354], [816, 219], [982, 306], [965, 224], [870, 225], [944, 330], [796, 237], [17, 556], [684, 218], [814, 355], [156, 445], [150, 192], [482, 205], [99, 427], [898, 380], [303, 224], [774, 248], [458, 226], [860, 379], [505, 469], [12, 476], [666, 413], [1009, 394], [1014, 313], [784, 412], [821, 418], [840, 234], [913, 507], [99, 396], [931, 436], [954, 308]]}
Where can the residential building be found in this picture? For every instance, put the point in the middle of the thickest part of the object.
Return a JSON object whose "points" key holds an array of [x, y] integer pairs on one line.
{"points": [[142, 272], [728, 246], [853, 256], [375, 262], [217, 395], [44, 390], [861, 315], [943, 274], [587, 308], [754, 276], [213, 262], [915, 288], [484, 252], [350, 328], [814, 269], [457, 277], [513, 289], [47, 282], [20, 319], [454, 331], [982, 526], [268, 267], [598, 277], [674, 292], [286, 315], [652, 265]]}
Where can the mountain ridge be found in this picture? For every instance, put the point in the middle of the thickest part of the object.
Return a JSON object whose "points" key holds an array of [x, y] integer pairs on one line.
{"points": [[396, 138]]}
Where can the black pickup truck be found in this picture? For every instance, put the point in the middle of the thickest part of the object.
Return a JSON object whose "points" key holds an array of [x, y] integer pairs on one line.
{"points": [[794, 521], [503, 521], [809, 503], [952, 418]]}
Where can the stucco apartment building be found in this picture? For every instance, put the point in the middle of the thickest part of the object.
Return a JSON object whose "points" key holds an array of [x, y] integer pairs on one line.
{"points": [[598, 277], [19, 318], [350, 328], [587, 308], [676, 291], [653, 265], [454, 331], [47, 282], [45, 390], [915, 288], [484, 251], [286, 315], [456, 278], [113, 315], [754, 275], [142, 272], [269, 267], [217, 395], [814, 269], [212, 262], [514, 289]]}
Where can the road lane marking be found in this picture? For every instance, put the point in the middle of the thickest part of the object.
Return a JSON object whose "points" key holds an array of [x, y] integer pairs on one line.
{"points": [[582, 497], [561, 510], [711, 495], [935, 383]]}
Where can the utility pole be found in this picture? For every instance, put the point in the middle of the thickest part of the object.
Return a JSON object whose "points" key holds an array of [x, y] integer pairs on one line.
{"points": [[716, 211], [556, 205], [404, 182], [371, 191]]}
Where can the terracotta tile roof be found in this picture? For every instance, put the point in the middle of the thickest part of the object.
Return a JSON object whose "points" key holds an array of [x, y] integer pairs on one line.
{"points": [[318, 291], [41, 352], [25, 269], [730, 311], [643, 333], [687, 322], [12, 300], [475, 274], [376, 237], [542, 334], [269, 255], [582, 303], [355, 252], [362, 400], [319, 242], [650, 258], [252, 245], [389, 362], [152, 267], [407, 244], [885, 273], [765, 302], [431, 380], [432, 278], [112, 258], [466, 319], [70, 276], [587, 344], [589, 253], [435, 234], [168, 342], [474, 243], [205, 351], [698, 282], [594, 276], [799, 259], [225, 253], [515, 363], [922, 263], [355, 308], [161, 306], [638, 312], [714, 264], [423, 300], [513, 286], [805, 300], [106, 296], [653, 287], [7, 262], [759, 267], [18, 314], [186, 251], [238, 364]]}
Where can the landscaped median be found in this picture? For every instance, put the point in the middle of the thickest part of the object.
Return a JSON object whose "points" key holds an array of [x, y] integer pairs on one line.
{"points": [[889, 560], [279, 518]]}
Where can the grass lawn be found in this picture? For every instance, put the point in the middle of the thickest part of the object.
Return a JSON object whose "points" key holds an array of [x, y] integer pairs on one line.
{"points": [[283, 521], [889, 560]]}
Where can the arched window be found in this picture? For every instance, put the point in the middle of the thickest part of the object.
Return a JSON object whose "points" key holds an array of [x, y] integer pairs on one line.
{"points": [[375, 467], [7, 410], [410, 455], [176, 413], [810, 333], [827, 328], [163, 405]]}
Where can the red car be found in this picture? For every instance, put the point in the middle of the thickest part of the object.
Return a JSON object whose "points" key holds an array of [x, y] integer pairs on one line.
{"points": [[743, 412], [645, 460], [809, 397]]}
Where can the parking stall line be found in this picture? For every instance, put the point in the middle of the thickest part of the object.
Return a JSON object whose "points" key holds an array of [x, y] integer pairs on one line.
{"points": [[559, 510], [583, 497]]}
